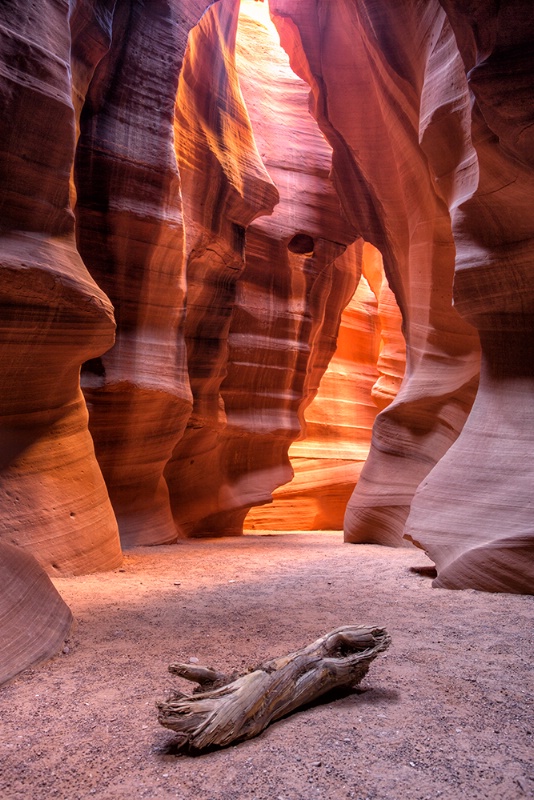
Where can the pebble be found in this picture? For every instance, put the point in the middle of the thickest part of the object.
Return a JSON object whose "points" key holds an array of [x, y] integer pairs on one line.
{"points": [[193, 660]]}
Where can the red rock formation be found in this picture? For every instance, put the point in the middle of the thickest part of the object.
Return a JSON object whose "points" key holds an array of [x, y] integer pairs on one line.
{"points": [[34, 620], [391, 362], [224, 186], [269, 336], [365, 372], [408, 70], [130, 235], [53, 501], [264, 293], [381, 84], [473, 514]]}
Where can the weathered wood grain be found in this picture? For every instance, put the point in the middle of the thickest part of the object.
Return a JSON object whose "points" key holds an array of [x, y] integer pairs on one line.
{"points": [[227, 709]]}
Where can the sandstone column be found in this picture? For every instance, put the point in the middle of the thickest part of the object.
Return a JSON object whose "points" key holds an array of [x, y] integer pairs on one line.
{"points": [[474, 513], [130, 234], [389, 91], [267, 291], [53, 500]]}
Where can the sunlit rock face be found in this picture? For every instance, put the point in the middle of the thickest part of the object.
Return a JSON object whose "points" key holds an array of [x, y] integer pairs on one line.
{"points": [[53, 500], [362, 378], [391, 361], [224, 187], [440, 149], [474, 513], [370, 70], [263, 306], [130, 235]]}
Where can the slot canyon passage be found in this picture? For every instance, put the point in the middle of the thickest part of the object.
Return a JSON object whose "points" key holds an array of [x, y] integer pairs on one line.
{"points": [[267, 274]]}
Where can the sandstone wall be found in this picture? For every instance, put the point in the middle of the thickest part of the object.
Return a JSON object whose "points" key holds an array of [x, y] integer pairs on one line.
{"points": [[367, 66], [363, 377], [444, 177], [53, 500], [130, 235], [263, 305], [54, 507], [54, 503], [206, 217], [225, 186], [473, 514], [34, 620]]}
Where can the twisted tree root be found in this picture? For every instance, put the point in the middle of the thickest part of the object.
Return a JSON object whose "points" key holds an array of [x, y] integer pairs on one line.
{"points": [[226, 709]]}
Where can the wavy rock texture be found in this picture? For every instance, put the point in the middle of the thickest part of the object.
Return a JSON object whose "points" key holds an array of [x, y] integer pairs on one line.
{"points": [[363, 376], [391, 362], [34, 620], [225, 186], [53, 501], [473, 515], [203, 394], [473, 512], [130, 235], [399, 76], [54, 507], [271, 334]]}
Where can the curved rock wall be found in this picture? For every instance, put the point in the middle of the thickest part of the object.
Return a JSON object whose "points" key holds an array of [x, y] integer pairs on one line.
{"points": [[473, 515], [265, 304], [53, 500], [225, 186], [448, 170], [55, 511], [204, 210], [130, 235], [362, 378], [34, 620], [391, 361], [367, 66]]}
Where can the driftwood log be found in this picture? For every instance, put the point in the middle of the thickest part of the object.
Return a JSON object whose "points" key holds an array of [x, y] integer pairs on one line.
{"points": [[226, 709]]}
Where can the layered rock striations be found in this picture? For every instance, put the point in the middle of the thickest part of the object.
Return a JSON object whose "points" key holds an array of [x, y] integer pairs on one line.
{"points": [[262, 320], [473, 515], [224, 187], [362, 378], [461, 157], [130, 235], [55, 513], [383, 85], [391, 361], [53, 500], [206, 210], [34, 620]]}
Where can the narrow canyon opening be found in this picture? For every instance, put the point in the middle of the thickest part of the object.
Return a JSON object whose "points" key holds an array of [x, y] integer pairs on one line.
{"points": [[199, 351], [200, 204], [334, 396]]}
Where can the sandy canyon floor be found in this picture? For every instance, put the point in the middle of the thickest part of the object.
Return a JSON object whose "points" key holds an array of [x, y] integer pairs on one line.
{"points": [[446, 713]]}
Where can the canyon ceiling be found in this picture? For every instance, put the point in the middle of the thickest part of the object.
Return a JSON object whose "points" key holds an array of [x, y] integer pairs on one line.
{"points": [[191, 213]]}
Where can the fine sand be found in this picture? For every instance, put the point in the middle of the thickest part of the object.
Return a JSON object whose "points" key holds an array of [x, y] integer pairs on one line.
{"points": [[446, 712]]}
